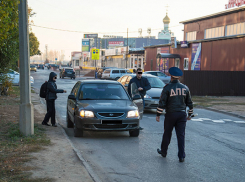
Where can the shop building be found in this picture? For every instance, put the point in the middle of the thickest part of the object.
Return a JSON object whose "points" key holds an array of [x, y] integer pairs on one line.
{"points": [[211, 43]]}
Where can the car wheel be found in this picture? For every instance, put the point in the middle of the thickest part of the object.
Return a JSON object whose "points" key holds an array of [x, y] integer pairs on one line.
{"points": [[62, 77], [74, 78], [69, 123], [77, 132], [134, 133]]}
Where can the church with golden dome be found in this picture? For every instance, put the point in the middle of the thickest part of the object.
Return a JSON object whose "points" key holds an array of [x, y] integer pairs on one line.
{"points": [[165, 33]]}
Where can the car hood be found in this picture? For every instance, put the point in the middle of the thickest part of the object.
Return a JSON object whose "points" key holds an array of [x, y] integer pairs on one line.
{"points": [[154, 92], [107, 105]]}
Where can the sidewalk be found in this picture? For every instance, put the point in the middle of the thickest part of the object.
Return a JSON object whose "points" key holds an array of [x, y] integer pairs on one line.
{"points": [[59, 160]]}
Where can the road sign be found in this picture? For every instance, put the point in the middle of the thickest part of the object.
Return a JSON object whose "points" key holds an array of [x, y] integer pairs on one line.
{"points": [[95, 54]]}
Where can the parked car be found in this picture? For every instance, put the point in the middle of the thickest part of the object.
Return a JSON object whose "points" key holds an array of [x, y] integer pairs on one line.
{"points": [[15, 77], [166, 79], [115, 73], [153, 95], [33, 68], [101, 70], [53, 66], [103, 105], [40, 66], [67, 72]]}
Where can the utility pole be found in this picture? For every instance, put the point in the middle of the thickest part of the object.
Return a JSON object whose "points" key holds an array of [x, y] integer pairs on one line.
{"points": [[26, 121], [127, 51]]}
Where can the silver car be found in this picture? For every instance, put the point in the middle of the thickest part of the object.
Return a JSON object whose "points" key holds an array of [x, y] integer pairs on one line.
{"points": [[166, 79], [153, 95]]}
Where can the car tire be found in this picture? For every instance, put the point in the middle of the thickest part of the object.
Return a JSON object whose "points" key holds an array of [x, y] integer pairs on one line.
{"points": [[74, 78], [134, 133], [62, 77], [77, 132], [69, 123]]}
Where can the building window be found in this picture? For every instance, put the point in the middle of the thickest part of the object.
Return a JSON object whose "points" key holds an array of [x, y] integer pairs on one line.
{"points": [[186, 63], [214, 32], [77, 62], [235, 29], [191, 36], [177, 62]]}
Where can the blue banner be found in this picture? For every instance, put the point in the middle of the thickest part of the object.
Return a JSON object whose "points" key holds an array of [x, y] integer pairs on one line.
{"points": [[196, 56]]}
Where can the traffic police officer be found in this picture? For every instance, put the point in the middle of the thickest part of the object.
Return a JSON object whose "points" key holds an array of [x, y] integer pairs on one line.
{"points": [[174, 98]]}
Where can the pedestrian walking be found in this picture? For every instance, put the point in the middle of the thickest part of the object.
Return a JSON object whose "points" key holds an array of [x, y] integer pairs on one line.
{"points": [[142, 84], [175, 97], [51, 96]]}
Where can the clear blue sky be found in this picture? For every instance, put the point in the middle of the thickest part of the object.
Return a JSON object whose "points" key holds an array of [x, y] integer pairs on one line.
{"points": [[111, 17]]}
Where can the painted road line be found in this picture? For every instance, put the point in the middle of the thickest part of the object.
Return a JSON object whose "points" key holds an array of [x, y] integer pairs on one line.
{"points": [[205, 118], [218, 121], [240, 122], [196, 120]]}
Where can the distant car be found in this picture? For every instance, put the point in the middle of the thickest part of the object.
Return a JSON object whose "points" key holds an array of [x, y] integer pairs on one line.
{"points": [[40, 66], [166, 79], [15, 77], [153, 95], [103, 105], [115, 73], [33, 68], [101, 70], [67, 72], [46, 65], [53, 66]]}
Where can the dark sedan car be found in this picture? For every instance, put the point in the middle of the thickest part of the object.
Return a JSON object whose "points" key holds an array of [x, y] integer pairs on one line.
{"points": [[103, 105], [153, 95], [40, 66], [67, 72]]}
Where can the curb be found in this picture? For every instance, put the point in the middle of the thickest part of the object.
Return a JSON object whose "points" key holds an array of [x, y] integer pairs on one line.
{"points": [[221, 111], [94, 177]]}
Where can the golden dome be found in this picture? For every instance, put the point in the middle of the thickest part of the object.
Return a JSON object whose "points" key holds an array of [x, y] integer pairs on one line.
{"points": [[166, 19]]}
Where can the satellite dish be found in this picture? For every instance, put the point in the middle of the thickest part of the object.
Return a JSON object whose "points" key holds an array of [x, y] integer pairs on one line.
{"points": [[149, 30]]}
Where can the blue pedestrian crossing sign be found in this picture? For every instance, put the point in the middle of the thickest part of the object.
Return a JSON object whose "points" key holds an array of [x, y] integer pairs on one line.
{"points": [[95, 54]]}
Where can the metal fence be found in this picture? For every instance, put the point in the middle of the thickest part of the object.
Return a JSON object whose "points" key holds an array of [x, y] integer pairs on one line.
{"points": [[215, 83]]}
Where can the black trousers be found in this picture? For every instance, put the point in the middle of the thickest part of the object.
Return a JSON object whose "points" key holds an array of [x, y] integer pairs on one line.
{"points": [[50, 112], [175, 120]]}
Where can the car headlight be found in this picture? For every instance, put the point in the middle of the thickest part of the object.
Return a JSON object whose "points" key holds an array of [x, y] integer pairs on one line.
{"points": [[133, 114], [147, 96], [86, 114]]}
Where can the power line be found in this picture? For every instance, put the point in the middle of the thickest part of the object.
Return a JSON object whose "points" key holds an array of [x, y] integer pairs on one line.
{"points": [[92, 32]]}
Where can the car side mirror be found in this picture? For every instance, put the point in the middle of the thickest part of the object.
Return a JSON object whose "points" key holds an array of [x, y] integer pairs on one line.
{"points": [[136, 97], [72, 97]]}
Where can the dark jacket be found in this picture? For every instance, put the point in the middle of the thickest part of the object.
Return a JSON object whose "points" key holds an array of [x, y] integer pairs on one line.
{"points": [[52, 88], [143, 83], [174, 98]]}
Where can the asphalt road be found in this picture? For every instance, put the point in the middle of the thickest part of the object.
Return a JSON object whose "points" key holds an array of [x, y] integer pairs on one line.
{"points": [[215, 147]]}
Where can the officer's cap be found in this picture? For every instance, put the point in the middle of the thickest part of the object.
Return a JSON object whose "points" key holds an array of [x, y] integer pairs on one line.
{"points": [[174, 71]]}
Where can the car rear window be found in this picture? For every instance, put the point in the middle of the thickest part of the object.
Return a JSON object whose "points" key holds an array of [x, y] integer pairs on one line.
{"points": [[69, 69], [103, 91], [107, 71]]}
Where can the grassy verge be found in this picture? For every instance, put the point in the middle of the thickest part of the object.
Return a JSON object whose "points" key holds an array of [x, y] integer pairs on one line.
{"points": [[14, 147]]}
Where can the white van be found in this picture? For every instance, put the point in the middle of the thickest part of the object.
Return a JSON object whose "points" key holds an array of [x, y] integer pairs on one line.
{"points": [[115, 73]]}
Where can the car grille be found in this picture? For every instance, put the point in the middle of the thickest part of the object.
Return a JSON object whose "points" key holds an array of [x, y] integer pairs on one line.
{"points": [[104, 126], [110, 114], [155, 97]]}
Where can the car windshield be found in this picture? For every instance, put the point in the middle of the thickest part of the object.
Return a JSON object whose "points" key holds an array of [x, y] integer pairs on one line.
{"points": [[102, 91], [155, 82], [33, 66]]}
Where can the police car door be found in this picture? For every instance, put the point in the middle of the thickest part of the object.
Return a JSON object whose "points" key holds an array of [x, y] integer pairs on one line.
{"points": [[137, 99]]}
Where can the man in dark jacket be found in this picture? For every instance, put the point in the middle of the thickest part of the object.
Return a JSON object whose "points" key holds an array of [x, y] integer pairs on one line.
{"points": [[174, 99], [50, 99], [142, 84]]}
